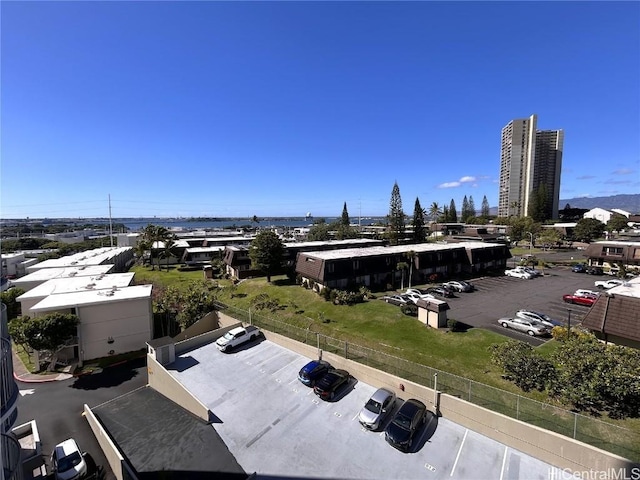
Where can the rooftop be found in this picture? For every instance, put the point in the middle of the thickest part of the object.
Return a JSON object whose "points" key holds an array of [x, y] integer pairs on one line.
{"points": [[78, 284], [91, 257], [63, 272], [92, 297], [398, 249]]}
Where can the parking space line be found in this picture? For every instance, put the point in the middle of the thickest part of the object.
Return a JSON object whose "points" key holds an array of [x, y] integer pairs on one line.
{"points": [[279, 370], [453, 469], [356, 416], [504, 462]]}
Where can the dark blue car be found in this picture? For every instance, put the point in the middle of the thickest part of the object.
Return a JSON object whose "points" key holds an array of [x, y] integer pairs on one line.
{"points": [[579, 268], [313, 371]]}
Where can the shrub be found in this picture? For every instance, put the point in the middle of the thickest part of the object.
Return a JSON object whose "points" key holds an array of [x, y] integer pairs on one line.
{"points": [[452, 324], [326, 293], [409, 309]]}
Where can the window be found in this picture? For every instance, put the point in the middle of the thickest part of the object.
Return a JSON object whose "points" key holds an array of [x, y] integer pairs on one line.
{"points": [[331, 268], [356, 264], [613, 251]]}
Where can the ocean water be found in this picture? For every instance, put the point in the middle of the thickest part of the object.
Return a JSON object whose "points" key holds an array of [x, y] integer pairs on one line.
{"points": [[135, 225]]}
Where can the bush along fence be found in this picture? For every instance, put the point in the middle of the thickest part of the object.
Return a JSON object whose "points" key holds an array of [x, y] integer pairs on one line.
{"points": [[595, 432]]}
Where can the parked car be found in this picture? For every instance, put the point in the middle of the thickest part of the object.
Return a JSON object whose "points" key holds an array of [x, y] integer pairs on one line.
{"points": [[327, 386], [459, 286], [518, 274], [586, 300], [377, 408], [579, 268], [397, 299], [440, 292], [67, 461], [532, 271], [236, 337], [607, 284], [528, 326], [313, 371], [542, 318], [414, 297], [581, 292], [401, 430], [595, 271]]}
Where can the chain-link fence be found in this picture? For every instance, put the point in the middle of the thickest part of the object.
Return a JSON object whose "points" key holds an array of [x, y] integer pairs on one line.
{"points": [[618, 440]]}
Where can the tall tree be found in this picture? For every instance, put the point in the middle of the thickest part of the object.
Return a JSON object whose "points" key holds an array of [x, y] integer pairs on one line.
{"points": [[472, 207], [434, 213], [396, 224], [464, 213], [319, 232], [411, 258], [168, 240], [345, 216], [453, 214], [266, 253], [419, 231], [484, 211]]}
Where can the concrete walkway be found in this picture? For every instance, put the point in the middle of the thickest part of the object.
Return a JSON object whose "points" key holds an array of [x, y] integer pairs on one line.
{"points": [[21, 374]]}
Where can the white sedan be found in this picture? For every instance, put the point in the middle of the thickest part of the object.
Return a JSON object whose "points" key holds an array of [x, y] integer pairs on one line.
{"points": [[517, 273]]}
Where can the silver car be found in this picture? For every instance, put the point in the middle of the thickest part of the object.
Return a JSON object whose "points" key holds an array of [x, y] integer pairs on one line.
{"points": [[377, 408], [528, 326]]}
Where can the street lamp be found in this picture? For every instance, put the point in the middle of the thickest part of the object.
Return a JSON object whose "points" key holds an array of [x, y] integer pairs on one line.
{"points": [[530, 244]]}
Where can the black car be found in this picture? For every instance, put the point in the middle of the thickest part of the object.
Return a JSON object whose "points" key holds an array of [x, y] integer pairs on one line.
{"points": [[313, 371], [595, 271], [440, 292], [400, 432], [327, 386]]}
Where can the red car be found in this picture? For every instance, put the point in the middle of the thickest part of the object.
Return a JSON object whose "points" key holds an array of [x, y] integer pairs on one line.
{"points": [[586, 300]]}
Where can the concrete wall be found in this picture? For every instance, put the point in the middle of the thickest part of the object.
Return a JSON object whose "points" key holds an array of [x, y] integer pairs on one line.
{"points": [[111, 452], [204, 339], [545, 445], [206, 324], [128, 323], [163, 382]]}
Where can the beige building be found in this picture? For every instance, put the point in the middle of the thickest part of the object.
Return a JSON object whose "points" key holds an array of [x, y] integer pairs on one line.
{"points": [[112, 321], [529, 159]]}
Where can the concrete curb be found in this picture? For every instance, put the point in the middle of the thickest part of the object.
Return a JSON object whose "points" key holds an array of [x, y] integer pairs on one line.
{"points": [[33, 378]]}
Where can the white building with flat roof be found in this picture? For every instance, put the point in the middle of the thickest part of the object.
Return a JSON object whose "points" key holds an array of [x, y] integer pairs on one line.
{"points": [[38, 277], [73, 284], [113, 321], [118, 256]]}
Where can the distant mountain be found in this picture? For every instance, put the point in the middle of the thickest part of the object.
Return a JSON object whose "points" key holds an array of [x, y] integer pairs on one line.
{"points": [[629, 203]]}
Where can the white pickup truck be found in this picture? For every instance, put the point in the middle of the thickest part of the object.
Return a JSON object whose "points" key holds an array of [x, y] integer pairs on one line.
{"points": [[237, 336]]}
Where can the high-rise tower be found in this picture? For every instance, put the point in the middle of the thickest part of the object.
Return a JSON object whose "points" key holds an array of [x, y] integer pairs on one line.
{"points": [[530, 165]]}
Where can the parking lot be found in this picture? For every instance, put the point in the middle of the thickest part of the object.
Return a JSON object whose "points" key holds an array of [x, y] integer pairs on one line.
{"points": [[276, 426], [502, 296]]}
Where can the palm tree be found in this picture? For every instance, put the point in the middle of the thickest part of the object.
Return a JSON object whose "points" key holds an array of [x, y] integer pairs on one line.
{"points": [[402, 266], [169, 241], [434, 213], [149, 239], [410, 255]]}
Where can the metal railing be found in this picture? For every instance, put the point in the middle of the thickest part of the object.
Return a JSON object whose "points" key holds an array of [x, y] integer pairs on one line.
{"points": [[595, 432]]}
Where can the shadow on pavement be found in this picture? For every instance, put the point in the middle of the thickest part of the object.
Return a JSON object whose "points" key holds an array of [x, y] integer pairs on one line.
{"points": [[110, 376]]}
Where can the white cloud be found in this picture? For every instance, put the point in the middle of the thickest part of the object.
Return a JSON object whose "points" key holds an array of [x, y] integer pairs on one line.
{"points": [[622, 171], [449, 185], [467, 179]]}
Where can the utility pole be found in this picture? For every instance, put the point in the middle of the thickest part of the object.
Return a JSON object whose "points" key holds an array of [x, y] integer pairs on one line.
{"points": [[110, 224]]}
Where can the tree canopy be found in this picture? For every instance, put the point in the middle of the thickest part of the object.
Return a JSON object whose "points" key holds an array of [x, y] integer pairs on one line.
{"points": [[484, 210], [266, 253], [617, 222], [588, 229]]}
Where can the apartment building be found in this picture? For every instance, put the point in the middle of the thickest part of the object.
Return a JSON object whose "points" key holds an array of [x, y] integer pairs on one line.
{"points": [[530, 165]]}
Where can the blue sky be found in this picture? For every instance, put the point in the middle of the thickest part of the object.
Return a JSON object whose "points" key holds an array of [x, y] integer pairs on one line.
{"points": [[282, 108]]}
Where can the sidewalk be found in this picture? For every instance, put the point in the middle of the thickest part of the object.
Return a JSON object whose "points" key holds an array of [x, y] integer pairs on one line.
{"points": [[21, 374]]}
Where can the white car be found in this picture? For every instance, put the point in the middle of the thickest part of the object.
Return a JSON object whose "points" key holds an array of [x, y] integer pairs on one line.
{"points": [[542, 318], [581, 292], [607, 284], [459, 286], [518, 273], [414, 297], [67, 461]]}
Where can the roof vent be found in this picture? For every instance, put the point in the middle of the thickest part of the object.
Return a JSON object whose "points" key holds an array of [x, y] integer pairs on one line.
{"points": [[73, 274]]}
